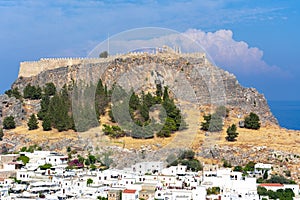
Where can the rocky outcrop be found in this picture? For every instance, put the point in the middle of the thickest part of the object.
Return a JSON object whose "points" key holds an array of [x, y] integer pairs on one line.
{"points": [[10, 106], [190, 77]]}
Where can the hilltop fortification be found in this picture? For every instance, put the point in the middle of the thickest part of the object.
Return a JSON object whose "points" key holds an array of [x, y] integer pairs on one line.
{"points": [[209, 84], [33, 68]]}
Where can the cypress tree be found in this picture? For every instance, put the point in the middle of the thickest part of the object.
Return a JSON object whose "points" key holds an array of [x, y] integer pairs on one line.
{"points": [[46, 123], [32, 123]]}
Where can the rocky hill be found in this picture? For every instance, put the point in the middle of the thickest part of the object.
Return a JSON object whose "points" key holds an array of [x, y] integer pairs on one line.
{"points": [[191, 77], [198, 87]]}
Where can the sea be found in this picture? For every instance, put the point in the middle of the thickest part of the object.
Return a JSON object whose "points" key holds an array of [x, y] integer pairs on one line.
{"points": [[287, 113]]}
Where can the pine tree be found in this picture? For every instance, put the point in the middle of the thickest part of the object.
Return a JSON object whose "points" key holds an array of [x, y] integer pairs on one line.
{"points": [[32, 123], [9, 122], [1, 134], [166, 94], [252, 121], [46, 123], [44, 107], [50, 89], [231, 133]]}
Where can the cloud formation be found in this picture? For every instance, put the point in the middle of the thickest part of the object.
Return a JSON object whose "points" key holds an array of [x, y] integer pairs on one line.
{"points": [[235, 56]]}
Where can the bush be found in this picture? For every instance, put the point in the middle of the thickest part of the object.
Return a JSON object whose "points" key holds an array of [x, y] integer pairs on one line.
{"points": [[113, 131], [24, 159], [9, 122], [45, 166], [252, 121], [32, 123], [226, 164], [213, 123], [103, 54]]}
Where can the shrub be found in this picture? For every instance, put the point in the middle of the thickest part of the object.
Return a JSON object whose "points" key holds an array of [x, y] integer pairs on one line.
{"points": [[213, 123], [24, 159], [45, 166]]}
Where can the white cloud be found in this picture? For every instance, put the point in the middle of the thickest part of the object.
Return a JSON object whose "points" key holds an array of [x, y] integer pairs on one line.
{"points": [[233, 55]]}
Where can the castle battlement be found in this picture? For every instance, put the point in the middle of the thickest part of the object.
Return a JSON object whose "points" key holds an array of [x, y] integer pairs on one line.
{"points": [[33, 68]]}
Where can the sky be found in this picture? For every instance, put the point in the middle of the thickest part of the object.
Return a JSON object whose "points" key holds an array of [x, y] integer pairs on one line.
{"points": [[256, 40]]}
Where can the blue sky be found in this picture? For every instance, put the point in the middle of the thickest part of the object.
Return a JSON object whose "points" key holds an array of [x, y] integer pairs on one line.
{"points": [[269, 30]]}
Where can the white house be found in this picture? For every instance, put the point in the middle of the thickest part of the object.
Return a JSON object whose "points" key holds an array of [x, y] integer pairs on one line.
{"points": [[261, 168], [174, 170], [56, 159], [130, 195], [147, 167]]}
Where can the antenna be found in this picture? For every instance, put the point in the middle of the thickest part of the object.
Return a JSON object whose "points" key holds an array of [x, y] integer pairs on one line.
{"points": [[107, 44]]}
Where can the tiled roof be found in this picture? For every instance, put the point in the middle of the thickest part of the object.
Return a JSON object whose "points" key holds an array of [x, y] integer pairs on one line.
{"points": [[129, 191], [271, 185]]}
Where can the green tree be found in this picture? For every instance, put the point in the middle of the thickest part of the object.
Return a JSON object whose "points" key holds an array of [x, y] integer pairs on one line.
{"points": [[45, 166], [24, 159], [50, 89], [9, 122], [1, 134], [92, 159], [231, 133], [32, 123], [249, 166], [216, 123], [44, 107], [32, 92], [14, 93], [265, 175], [89, 182], [46, 124], [103, 54], [159, 91], [252, 121], [113, 131], [187, 154], [238, 169], [205, 124], [226, 164], [166, 94], [59, 111], [101, 98], [212, 123], [222, 111]]}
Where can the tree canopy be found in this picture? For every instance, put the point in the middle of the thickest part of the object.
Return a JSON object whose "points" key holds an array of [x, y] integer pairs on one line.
{"points": [[9, 122], [32, 122], [252, 121]]}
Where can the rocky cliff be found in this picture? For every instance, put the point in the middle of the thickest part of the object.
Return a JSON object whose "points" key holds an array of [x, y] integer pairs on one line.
{"points": [[191, 77]]}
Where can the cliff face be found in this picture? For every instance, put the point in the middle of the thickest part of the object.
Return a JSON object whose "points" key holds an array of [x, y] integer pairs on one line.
{"points": [[190, 78], [10, 106]]}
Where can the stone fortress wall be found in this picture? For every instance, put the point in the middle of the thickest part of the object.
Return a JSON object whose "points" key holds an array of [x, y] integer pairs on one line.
{"points": [[33, 68]]}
